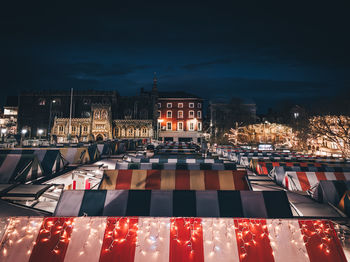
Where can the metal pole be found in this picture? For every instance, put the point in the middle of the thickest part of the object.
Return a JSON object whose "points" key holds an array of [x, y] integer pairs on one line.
{"points": [[48, 130]]}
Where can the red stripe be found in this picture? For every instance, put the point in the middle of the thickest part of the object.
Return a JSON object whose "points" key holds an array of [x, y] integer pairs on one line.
{"points": [[321, 241], [153, 179], [320, 176], [182, 180], [119, 241], [53, 239], [289, 163], [186, 240], [239, 179], [303, 180], [303, 164], [265, 172], [252, 240], [316, 164], [339, 176], [124, 179], [211, 180], [275, 164]]}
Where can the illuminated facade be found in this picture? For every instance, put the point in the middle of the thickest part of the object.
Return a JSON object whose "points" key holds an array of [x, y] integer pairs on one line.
{"points": [[180, 117], [129, 128], [276, 134]]}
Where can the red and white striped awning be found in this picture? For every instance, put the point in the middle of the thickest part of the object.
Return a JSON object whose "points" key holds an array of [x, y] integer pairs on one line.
{"points": [[88, 239], [304, 181]]}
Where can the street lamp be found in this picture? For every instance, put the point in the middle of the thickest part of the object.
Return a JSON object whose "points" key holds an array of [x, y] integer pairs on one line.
{"points": [[24, 131], [159, 124], [40, 132], [3, 132]]}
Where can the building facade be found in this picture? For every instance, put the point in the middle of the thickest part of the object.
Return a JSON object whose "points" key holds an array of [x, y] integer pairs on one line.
{"points": [[180, 117]]}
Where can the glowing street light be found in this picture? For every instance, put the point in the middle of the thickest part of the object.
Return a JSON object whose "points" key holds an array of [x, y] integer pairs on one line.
{"points": [[24, 131], [3, 131]]}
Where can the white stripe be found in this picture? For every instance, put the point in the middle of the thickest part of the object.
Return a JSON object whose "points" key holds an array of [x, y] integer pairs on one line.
{"points": [[18, 246], [313, 181], [86, 239], [219, 240], [347, 175], [172, 160], [330, 176], [153, 240], [191, 161], [286, 241], [293, 181]]}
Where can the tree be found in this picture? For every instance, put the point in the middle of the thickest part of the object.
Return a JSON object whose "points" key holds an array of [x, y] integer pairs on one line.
{"points": [[335, 129]]}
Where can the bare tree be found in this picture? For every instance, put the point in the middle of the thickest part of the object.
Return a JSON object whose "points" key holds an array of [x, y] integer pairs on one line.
{"points": [[334, 129]]}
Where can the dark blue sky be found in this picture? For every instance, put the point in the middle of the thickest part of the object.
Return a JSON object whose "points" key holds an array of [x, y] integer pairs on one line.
{"points": [[260, 51]]}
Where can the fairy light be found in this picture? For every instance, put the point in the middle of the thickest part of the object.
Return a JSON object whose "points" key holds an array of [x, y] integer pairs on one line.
{"points": [[116, 235], [321, 230]]}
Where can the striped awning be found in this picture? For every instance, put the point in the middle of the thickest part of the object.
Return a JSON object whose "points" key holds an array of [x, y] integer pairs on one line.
{"points": [[173, 166], [156, 203], [175, 179], [139, 239], [331, 191], [305, 181]]}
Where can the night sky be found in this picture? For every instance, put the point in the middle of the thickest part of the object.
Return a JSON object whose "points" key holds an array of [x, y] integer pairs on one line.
{"points": [[260, 51]]}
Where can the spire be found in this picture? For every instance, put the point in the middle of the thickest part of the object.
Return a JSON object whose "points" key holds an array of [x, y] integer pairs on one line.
{"points": [[154, 88]]}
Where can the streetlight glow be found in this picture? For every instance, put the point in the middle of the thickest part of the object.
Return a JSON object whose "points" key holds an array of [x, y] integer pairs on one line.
{"points": [[3, 131], [24, 131], [40, 131]]}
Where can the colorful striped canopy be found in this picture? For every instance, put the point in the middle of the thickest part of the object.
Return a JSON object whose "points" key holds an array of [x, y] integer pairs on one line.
{"points": [[139, 239], [156, 203], [174, 166], [175, 179]]}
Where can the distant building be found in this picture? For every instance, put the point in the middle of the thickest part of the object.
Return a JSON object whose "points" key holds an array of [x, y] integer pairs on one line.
{"points": [[93, 114], [180, 117], [8, 118], [224, 116]]}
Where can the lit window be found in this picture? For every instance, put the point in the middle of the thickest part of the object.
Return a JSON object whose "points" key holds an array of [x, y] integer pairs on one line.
{"points": [[169, 114], [180, 114], [144, 131], [199, 126], [42, 102], [191, 105], [180, 105], [199, 114], [191, 126], [168, 126], [180, 126], [191, 114], [169, 105]]}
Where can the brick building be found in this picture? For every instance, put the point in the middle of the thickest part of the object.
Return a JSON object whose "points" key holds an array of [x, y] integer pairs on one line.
{"points": [[180, 117]]}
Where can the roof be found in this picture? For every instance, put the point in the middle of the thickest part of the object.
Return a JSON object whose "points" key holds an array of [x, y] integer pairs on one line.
{"points": [[177, 94]]}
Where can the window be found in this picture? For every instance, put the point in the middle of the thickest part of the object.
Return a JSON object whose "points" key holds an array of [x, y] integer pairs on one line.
{"points": [[199, 105], [144, 131], [199, 126], [199, 114], [168, 126], [180, 126], [169, 105], [180, 105], [191, 114], [169, 114], [180, 114], [130, 131], [74, 129], [42, 102], [60, 129], [159, 114], [191, 105], [85, 128], [191, 126], [159, 105]]}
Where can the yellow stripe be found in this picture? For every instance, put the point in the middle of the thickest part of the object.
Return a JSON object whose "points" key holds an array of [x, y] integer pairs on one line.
{"points": [[138, 179], [110, 179], [197, 180], [226, 180], [167, 180]]}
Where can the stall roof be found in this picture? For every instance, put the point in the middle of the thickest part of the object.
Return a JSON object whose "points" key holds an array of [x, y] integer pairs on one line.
{"points": [[11, 209]]}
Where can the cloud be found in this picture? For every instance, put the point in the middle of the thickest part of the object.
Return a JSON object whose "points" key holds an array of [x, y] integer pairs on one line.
{"points": [[194, 66]]}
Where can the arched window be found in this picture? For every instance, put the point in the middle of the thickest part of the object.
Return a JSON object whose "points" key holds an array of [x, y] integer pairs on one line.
{"points": [[130, 131], [144, 131]]}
